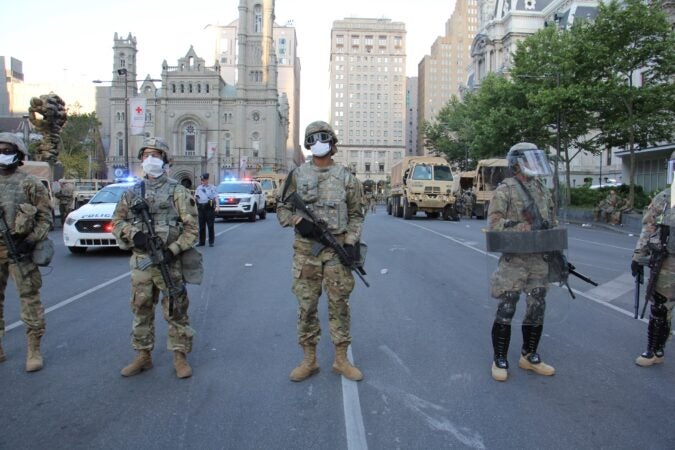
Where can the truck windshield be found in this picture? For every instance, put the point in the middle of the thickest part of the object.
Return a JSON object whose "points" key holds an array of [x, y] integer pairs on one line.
{"points": [[422, 172], [442, 173], [267, 184]]}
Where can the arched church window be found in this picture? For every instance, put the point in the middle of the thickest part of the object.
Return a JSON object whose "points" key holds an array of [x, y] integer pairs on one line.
{"points": [[257, 20], [120, 144], [255, 143], [173, 88], [190, 138], [227, 145]]}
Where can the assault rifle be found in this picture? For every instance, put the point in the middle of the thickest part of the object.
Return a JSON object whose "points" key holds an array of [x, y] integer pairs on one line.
{"points": [[326, 238], [639, 279], [559, 266], [12, 253], [658, 256], [156, 250]]}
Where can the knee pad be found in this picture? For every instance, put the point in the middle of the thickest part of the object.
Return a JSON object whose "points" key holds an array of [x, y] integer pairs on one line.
{"points": [[538, 293], [507, 306]]}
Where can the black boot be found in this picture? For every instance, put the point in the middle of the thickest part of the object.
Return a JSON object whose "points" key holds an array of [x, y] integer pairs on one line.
{"points": [[657, 335], [529, 358], [501, 337]]}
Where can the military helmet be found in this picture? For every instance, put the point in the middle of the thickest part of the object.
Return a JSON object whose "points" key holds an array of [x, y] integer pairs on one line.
{"points": [[527, 158], [156, 144], [313, 134], [10, 138]]}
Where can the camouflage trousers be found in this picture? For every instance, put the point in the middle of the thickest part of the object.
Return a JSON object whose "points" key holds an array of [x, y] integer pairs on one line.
{"points": [[518, 273], [146, 286], [310, 275], [28, 282]]}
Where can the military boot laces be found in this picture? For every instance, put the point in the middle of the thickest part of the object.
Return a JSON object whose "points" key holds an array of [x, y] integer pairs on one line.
{"points": [[657, 335], [34, 360], [142, 361], [183, 369], [307, 367], [343, 366], [501, 338]]}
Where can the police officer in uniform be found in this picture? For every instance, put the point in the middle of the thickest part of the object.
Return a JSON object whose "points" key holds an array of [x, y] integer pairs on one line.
{"points": [[173, 212], [658, 214], [27, 210], [206, 195], [520, 272], [333, 194]]}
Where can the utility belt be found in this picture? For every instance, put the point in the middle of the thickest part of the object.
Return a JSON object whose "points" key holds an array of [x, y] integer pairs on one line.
{"points": [[209, 204]]}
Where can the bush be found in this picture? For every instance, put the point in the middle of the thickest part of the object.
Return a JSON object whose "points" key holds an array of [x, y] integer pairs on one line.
{"points": [[585, 197]]}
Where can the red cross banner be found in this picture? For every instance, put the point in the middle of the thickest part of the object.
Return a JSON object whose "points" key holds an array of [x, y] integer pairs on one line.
{"points": [[137, 115]]}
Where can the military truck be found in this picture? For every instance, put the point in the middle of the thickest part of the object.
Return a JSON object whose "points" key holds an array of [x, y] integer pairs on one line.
{"points": [[489, 173], [271, 184], [422, 183], [84, 189]]}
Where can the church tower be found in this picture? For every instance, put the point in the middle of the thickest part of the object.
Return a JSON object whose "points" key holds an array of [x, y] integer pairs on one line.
{"points": [[257, 71]]}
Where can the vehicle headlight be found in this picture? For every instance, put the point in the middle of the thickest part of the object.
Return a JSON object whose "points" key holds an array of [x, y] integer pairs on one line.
{"points": [[70, 220], [246, 199]]}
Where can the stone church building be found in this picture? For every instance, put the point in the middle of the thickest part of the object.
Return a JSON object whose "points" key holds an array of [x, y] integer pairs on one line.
{"points": [[210, 126]]}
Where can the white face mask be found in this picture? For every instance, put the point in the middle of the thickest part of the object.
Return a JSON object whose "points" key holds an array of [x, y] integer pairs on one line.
{"points": [[7, 160], [153, 166], [320, 149]]}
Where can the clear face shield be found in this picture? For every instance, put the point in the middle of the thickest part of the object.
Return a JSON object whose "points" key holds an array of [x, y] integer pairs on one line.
{"points": [[534, 163]]}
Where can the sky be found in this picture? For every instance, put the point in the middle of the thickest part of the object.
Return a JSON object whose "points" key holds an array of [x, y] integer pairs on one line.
{"points": [[71, 40]]}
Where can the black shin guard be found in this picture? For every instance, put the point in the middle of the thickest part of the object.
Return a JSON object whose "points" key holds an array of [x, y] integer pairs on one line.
{"points": [[531, 337], [501, 337]]}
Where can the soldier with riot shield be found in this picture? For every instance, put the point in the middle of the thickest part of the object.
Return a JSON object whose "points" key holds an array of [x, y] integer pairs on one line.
{"points": [[655, 248], [522, 207], [158, 224]]}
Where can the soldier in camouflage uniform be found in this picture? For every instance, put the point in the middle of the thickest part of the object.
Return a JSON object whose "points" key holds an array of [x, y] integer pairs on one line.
{"points": [[173, 212], [26, 208], [65, 196], [521, 272], [333, 194], [658, 213]]}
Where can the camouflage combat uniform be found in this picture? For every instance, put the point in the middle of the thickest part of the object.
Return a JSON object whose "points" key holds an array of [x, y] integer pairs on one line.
{"points": [[25, 202], [333, 194], [65, 196], [660, 322], [173, 211]]}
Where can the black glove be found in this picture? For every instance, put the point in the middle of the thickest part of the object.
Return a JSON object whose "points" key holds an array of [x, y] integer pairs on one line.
{"points": [[168, 255], [637, 269], [24, 247], [351, 253], [307, 229], [141, 241]]}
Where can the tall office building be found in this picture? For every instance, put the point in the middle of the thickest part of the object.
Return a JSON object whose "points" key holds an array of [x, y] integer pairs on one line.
{"points": [[441, 73], [368, 94]]}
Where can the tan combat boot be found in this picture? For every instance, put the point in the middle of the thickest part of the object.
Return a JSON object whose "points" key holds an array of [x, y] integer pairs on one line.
{"points": [[649, 358], [142, 361], [2, 354], [343, 366], [308, 366], [34, 358], [183, 369], [532, 362]]}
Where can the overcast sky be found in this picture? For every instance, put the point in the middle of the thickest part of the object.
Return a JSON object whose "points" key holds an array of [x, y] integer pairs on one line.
{"points": [[72, 39]]}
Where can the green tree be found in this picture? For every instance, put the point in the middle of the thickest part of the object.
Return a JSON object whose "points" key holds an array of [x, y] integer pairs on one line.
{"points": [[79, 143], [632, 63]]}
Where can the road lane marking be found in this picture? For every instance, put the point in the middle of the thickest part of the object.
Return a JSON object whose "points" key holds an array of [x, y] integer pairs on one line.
{"points": [[351, 405], [601, 244], [615, 288], [94, 289], [75, 297]]}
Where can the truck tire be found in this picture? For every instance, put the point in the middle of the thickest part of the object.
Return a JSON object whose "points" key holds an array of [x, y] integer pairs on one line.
{"points": [[253, 216], [450, 213], [389, 207], [399, 210], [407, 210]]}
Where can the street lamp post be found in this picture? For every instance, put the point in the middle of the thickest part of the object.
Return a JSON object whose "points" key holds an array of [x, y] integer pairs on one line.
{"points": [[123, 73]]}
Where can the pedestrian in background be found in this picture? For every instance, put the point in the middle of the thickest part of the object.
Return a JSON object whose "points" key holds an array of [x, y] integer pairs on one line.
{"points": [[334, 195], [172, 210], [25, 207], [206, 196], [65, 195]]}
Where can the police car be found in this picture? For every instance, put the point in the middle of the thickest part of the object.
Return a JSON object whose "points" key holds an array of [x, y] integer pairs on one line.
{"points": [[241, 198], [90, 226]]}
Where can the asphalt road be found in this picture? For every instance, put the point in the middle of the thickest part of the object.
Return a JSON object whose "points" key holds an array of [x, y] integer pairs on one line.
{"points": [[421, 335]]}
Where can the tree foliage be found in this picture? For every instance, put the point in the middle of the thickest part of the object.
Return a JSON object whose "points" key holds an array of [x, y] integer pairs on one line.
{"points": [[79, 143]]}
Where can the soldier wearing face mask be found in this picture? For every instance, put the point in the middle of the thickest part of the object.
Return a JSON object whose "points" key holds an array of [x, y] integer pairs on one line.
{"points": [[173, 211], [333, 194], [27, 211]]}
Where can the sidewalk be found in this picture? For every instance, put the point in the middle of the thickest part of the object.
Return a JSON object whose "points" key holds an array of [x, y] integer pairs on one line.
{"points": [[630, 223]]}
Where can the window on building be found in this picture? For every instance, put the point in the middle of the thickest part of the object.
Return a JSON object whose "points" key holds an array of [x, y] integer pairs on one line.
{"points": [[173, 88], [190, 139], [120, 144], [367, 167], [257, 19], [207, 88], [227, 145], [255, 143]]}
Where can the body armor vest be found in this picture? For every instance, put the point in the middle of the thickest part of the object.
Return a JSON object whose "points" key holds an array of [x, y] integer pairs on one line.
{"points": [[165, 218], [12, 195], [325, 194]]}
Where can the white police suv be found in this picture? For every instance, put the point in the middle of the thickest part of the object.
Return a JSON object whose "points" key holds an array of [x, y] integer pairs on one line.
{"points": [[241, 198], [90, 226]]}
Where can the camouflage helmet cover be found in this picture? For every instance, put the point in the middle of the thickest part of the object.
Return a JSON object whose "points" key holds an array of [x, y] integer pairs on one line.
{"points": [[318, 126], [10, 138], [156, 144]]}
